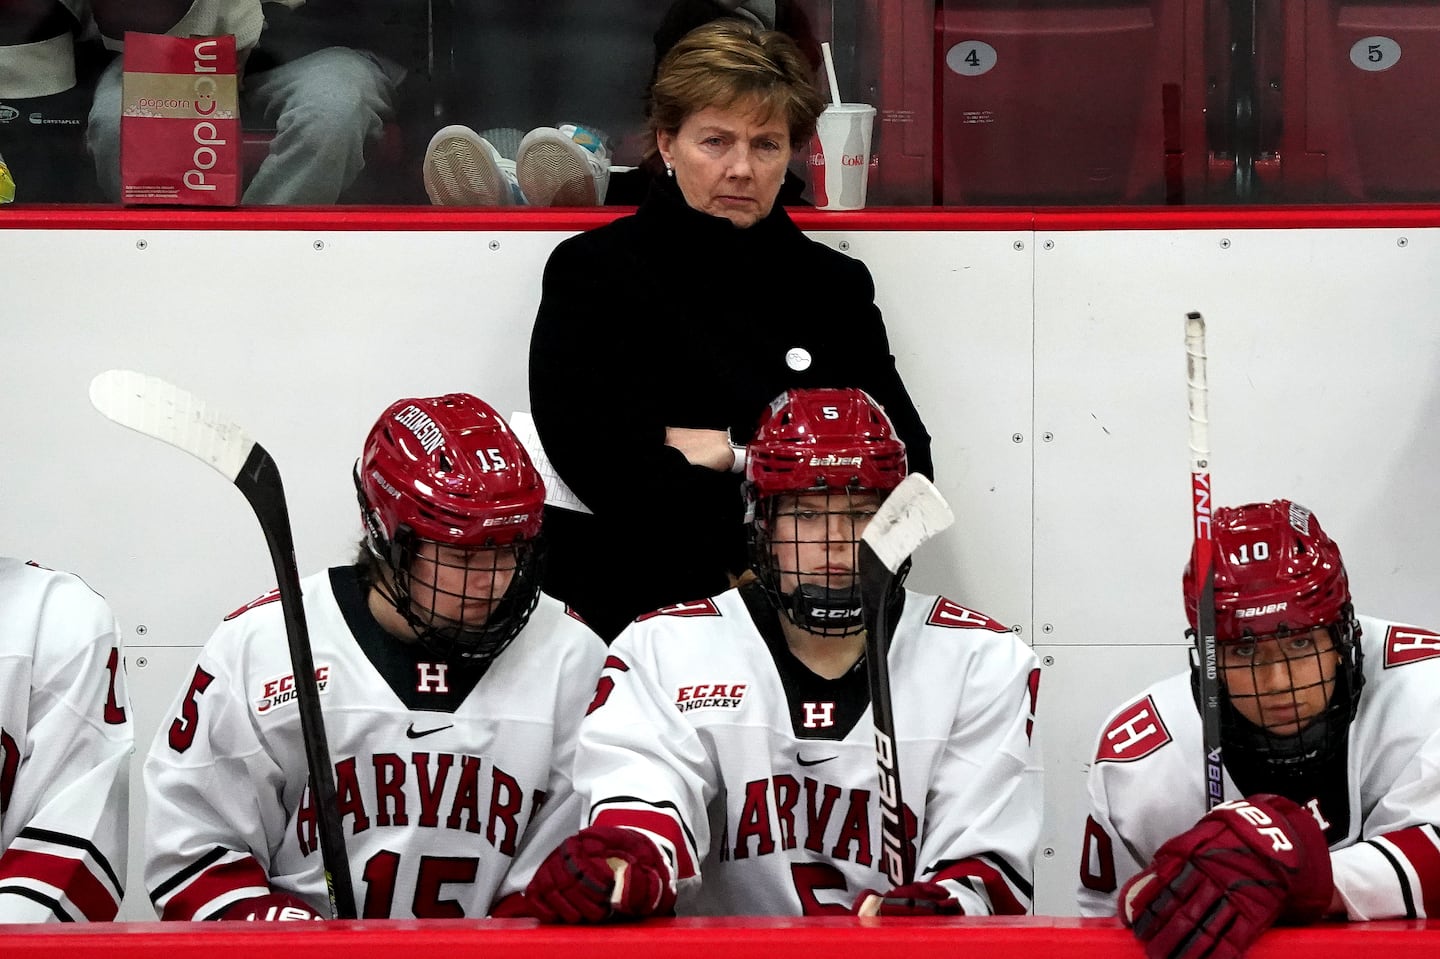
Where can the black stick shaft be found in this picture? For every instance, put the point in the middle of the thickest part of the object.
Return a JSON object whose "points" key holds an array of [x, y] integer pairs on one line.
{"points": [[259, 480], [877, 585]]}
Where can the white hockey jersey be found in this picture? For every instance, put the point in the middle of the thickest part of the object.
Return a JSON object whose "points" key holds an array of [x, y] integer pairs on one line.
{"points": [[1147, 784], [768, 807], [65, 744], [451, 792]]}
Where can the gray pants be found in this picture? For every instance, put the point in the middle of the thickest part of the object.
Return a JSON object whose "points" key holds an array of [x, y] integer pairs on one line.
{"points": [[325, 107]]}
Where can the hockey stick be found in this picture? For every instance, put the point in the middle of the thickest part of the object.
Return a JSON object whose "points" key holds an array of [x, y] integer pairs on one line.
{"points": [[1203, 555], [912, 513], [149, 405]]}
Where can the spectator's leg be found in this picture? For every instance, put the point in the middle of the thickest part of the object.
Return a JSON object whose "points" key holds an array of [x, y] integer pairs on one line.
{"points": [[326, 108], [102, 135]]}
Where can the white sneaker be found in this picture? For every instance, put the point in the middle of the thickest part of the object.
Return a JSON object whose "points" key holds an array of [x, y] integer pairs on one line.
{"points": [[462, 169], [568, 166]]}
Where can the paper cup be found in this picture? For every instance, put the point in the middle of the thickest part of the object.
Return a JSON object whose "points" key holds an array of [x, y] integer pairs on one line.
{"points": [[840, 156]]}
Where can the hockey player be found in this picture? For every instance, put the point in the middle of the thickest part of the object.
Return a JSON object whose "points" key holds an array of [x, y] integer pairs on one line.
{"points": [[730, 739], [451, 688], [1333, 796], [65, 744]]}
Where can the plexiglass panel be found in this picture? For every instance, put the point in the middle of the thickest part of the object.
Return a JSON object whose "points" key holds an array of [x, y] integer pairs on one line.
{"points": [[979, 102]]}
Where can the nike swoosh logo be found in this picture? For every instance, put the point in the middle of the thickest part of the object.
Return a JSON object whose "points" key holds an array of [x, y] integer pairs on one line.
{"points": [[412, 734], [812, 762]]}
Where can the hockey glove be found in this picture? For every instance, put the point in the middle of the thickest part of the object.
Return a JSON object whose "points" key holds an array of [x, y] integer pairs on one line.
{"points": [[601, 873], [911, 899], [275, 907], [1213, 890], [513, 906]]}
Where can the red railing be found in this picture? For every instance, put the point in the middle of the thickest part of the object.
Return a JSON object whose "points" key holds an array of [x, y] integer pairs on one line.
{"points": [[841, 938], [919, 219]]}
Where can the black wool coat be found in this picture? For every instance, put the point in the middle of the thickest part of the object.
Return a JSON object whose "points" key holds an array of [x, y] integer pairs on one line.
{"points": [[673, 317]]}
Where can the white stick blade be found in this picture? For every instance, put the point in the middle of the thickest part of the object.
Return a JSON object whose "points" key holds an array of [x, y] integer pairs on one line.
{"points": [[1198, 391], [150, 405], [912, 513]]}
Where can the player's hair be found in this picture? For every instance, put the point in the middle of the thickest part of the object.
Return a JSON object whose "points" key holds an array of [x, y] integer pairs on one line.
{"points": [[371, 570], [730, 61]]}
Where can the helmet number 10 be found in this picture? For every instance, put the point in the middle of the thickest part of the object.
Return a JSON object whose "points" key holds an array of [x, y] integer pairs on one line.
{"points": [[1257, 552]]}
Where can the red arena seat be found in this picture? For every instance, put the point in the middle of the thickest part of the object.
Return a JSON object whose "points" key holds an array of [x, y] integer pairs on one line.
{"points": [[1061, 101], [1361, 91]]}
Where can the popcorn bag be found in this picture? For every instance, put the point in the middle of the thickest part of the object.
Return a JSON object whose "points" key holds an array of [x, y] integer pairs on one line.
{"points": [[179, 121]]}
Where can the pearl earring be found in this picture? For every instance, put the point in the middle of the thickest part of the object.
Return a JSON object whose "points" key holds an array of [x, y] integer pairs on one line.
{"points": [[669, 170]]}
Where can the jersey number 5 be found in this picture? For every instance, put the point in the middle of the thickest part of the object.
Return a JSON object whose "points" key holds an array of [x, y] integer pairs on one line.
{"points": [[182, 730], [812, 876]]}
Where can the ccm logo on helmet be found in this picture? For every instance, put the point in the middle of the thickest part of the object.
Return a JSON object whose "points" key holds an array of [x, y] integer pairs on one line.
{"points": [[1265, 610], [831, 459]]}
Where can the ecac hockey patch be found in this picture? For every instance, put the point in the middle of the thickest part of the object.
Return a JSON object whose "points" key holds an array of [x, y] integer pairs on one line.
{"points": [[279, 691], [709, 696]]}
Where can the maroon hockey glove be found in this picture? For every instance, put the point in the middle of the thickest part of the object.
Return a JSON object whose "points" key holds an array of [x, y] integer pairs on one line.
{"points": [[275, 907], [912, 899], [1212, 891], [601, 873], [513, 906]]}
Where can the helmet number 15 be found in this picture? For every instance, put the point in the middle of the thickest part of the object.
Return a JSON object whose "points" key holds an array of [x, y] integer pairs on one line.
{"points": [[491, 460]]}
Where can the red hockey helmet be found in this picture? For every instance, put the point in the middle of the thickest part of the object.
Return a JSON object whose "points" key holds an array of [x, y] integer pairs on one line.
{"points": [[833, 444], [448, 470], [1275, 571], [1278, 575], [817, 440]]}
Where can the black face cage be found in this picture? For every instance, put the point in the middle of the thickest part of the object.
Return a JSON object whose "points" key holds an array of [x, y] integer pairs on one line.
{"points": [[828, 608], [452, 640], [1298, 754]]}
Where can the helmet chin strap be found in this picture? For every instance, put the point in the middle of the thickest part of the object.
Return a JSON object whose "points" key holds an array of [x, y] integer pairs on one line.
{"points": [[820, 609]]}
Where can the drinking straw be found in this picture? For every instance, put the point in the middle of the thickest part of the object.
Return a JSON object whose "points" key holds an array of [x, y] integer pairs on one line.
{"points": [[830, 72]]}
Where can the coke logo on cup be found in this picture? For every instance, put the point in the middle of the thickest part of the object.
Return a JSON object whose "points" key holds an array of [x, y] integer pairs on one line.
{"points": [[852, 159]]}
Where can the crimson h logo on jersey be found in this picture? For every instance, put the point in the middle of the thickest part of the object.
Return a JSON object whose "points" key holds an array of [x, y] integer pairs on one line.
{"points": [[1406, 644], [819, 715], [1135, 733], [951, 614], [432, 677]]}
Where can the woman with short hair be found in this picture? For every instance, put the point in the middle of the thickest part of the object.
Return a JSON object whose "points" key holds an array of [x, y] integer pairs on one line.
{"points": [[661, 337]]}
